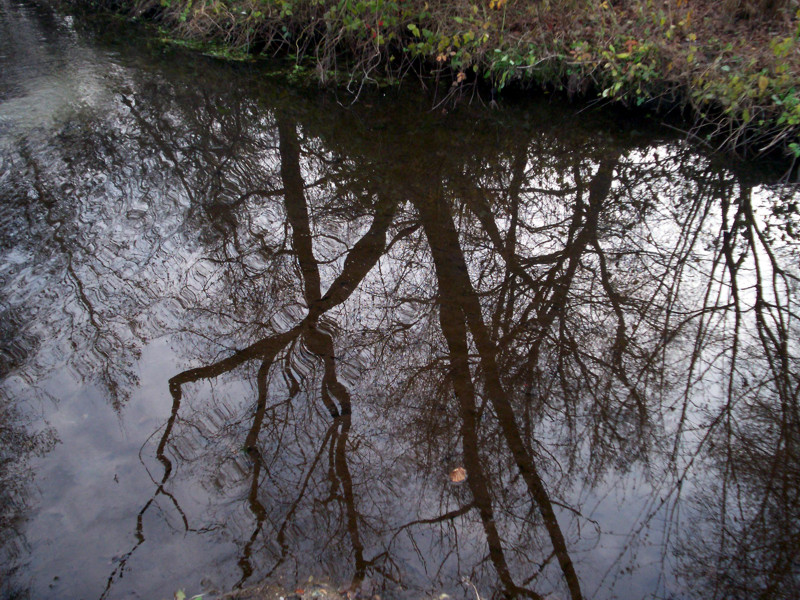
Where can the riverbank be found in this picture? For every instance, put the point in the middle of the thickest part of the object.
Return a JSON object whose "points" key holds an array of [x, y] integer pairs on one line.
{"points": [[728, 70], [730, 73]]}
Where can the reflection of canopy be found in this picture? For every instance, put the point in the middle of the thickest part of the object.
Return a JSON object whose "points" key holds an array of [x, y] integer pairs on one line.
{"points": [[543, 311]]}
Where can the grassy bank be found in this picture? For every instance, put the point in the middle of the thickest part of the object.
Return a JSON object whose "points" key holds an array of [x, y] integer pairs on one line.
{"points": [[729, 68]]}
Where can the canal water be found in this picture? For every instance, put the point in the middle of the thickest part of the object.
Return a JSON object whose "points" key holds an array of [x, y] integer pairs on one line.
{"points": [[253, 333]]}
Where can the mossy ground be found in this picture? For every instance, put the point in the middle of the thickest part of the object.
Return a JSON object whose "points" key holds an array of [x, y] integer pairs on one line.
{"points": [[730, 68]]}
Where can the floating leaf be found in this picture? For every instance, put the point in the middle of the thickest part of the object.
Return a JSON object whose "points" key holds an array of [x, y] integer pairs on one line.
{"points": [[458, 475]]}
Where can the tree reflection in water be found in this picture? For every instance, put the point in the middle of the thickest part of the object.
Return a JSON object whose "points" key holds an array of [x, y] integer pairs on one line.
{"points": [[370, 304]]}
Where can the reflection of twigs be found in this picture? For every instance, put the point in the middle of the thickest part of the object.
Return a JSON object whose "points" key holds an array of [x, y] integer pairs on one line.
{"points": [[281, 536], [259, 348], [448, 516], [310, 330], [468, 582], [119, 569], [460, 308], [260, 513]]}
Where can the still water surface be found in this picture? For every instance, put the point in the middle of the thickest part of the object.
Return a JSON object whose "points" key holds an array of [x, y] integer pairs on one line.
{"points": [[248, 332]]}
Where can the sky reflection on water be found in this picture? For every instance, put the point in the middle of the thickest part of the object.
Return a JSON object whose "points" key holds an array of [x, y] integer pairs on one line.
{"points": [[247, 333]]}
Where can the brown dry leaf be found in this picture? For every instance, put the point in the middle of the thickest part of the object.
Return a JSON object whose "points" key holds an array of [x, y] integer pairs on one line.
{"points": [[458, 475]]}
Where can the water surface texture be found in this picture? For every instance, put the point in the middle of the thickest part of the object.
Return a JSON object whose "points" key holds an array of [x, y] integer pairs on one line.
{"points": [[250, 333]]}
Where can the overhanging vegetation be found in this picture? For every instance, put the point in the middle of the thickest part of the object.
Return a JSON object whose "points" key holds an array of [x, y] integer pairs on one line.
{"points": [[729, 67]]}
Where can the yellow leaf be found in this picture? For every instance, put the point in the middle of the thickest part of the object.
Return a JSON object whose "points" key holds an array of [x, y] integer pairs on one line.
{"points": [[763, 82], [458, 475]]}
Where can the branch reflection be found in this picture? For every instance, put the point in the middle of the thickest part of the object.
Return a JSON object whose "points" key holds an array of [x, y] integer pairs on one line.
{"points": [[371, 302]]}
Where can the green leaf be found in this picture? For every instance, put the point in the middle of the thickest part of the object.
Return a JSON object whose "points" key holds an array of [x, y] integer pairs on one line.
{"points": [[180, 595], [413, 29]]}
